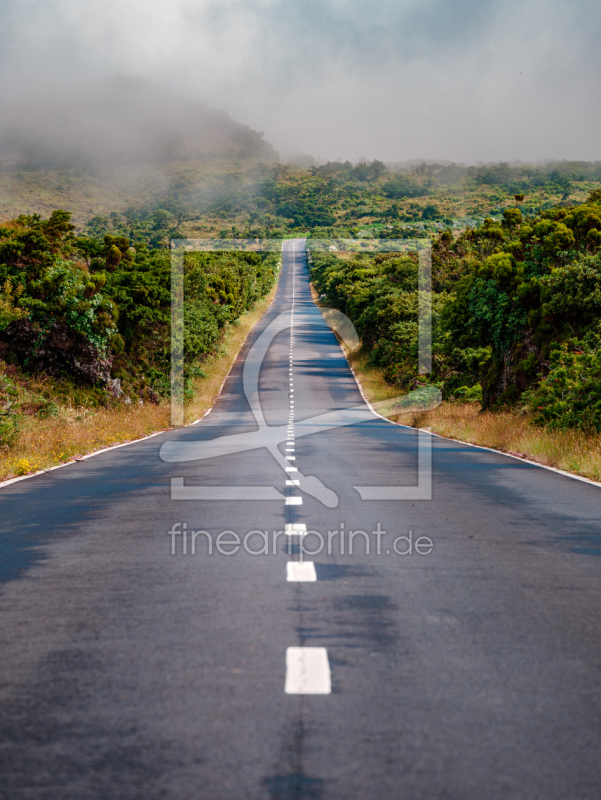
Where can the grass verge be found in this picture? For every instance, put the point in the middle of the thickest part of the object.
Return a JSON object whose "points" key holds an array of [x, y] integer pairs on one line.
{"points": [[75, 432], [509, 431]]}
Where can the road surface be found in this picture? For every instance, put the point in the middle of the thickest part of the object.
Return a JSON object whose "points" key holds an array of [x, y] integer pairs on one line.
{"points": [[467, 668]]}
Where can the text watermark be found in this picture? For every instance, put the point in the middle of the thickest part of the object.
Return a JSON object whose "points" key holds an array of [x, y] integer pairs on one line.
{"points": [[341, 541]]}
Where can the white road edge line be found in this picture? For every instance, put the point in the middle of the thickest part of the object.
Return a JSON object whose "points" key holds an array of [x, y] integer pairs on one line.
{"points": [[580, 478], [83, 458]]}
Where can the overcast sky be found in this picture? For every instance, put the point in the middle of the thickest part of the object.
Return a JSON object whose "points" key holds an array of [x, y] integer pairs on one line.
{"points": [[465, 80]]}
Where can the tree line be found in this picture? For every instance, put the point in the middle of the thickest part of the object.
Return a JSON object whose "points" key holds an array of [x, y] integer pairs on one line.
{"points": [[516, 312]]}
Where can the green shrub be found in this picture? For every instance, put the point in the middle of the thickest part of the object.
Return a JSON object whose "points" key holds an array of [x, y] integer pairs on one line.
{"points": [[570, 395], [9, 421], [468, 394]]}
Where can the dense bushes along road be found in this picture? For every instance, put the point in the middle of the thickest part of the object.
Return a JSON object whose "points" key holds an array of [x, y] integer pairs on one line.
{"points": [[516, 312], [94, 315]]}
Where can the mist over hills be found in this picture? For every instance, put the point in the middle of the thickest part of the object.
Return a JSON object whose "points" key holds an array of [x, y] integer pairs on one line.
{"points": [[118, 120]]}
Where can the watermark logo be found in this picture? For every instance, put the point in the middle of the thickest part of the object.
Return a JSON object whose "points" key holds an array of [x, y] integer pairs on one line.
{"points": [[342, 541], [269, 436]]}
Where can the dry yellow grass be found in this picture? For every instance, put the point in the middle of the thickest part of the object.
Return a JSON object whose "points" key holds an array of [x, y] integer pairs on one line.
{"points": [[511, 432], [572, 451], [75, 432]]}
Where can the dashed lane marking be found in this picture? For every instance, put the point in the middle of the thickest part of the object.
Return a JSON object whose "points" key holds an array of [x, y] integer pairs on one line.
{"points": [[307, 671], [298, 571]]}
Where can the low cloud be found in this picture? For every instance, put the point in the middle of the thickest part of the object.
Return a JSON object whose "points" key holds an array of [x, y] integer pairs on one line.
{"points": [[393, 80]]}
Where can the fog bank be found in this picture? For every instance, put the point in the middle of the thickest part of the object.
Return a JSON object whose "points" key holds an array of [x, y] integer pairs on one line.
{"points": [[394, 80]]}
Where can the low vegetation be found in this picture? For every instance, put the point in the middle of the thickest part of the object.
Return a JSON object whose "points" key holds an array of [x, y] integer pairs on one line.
{"points": [[509, 430], [236, 197], [85, 335]]}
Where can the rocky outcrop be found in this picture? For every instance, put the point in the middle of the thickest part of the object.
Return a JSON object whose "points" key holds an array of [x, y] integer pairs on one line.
{"points": [[57, 352]]}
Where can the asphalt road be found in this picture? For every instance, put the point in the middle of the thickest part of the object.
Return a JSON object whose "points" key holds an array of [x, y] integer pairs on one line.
{"points": [[469, 670]]}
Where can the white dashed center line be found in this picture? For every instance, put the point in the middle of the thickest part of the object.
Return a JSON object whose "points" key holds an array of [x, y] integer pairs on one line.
{"points": [[297, 571], [307, 668], [295, 528], [307, 671]]}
